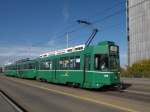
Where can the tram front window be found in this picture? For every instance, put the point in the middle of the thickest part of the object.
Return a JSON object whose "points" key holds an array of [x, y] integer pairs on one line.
{"points": [[114, 62], [101, 62]]}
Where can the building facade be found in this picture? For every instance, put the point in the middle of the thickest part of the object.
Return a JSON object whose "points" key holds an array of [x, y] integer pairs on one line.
{"points": [[138, 30]]}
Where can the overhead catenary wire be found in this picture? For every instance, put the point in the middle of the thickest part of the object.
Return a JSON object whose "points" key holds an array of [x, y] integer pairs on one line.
{"points": [[111, 15], [107, 17], [102, 29], [92, 16], [95, 22], [62, 35]]}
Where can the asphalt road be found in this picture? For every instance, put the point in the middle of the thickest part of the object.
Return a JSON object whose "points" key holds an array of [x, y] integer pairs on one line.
{"points": [[5, 106], [37, 96], [37, 100], [130, 95], [137, 84], [141, 81]]}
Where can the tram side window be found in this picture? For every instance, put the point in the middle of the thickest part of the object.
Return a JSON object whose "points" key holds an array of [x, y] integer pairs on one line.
{"points": [[44, 66], [77, 62], [71, 62], [18, 68], [64, 63], [50, 65], [21, 67], [101, 62], [26, 66], [14, 68], [31, 66], [61, 64], [10, 67]]}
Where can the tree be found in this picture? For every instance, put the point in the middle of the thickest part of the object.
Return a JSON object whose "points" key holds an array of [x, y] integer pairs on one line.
{"points": [[138, 69]]}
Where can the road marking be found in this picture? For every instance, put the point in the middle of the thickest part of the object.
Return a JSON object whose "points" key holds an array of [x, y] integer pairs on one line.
{"points": [[137, 92], [79, 97], [11, 103]]}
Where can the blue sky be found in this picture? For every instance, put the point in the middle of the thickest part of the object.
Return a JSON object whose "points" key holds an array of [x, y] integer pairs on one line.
{"points": [[31, 27]]}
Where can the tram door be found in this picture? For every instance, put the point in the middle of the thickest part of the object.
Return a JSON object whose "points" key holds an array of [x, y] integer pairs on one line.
{"points": [[87, 66]]}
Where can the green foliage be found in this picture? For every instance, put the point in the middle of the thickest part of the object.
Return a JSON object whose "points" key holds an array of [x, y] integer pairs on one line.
{"points": [[138, 69]]}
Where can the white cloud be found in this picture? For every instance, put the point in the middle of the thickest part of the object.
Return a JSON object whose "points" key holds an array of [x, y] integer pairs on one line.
{"points": [[13, 53]]}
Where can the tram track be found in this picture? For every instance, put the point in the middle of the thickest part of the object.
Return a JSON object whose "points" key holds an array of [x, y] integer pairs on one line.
{"points": [[112, 97], [11, 102]]}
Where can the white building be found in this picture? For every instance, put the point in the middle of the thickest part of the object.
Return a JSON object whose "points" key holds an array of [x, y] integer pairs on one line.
{"points": [[138, 27]]}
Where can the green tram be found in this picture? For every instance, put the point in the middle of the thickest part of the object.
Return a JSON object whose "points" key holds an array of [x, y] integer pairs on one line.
{"points": [[90, 67]]}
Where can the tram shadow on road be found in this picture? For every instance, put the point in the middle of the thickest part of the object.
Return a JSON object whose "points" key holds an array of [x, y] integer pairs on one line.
{"points": [[102, 89], [110, 88]]}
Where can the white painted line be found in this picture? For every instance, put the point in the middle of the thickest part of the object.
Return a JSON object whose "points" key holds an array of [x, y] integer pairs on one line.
{"points": [[137, 92], [11, 103], [79, 97]]}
